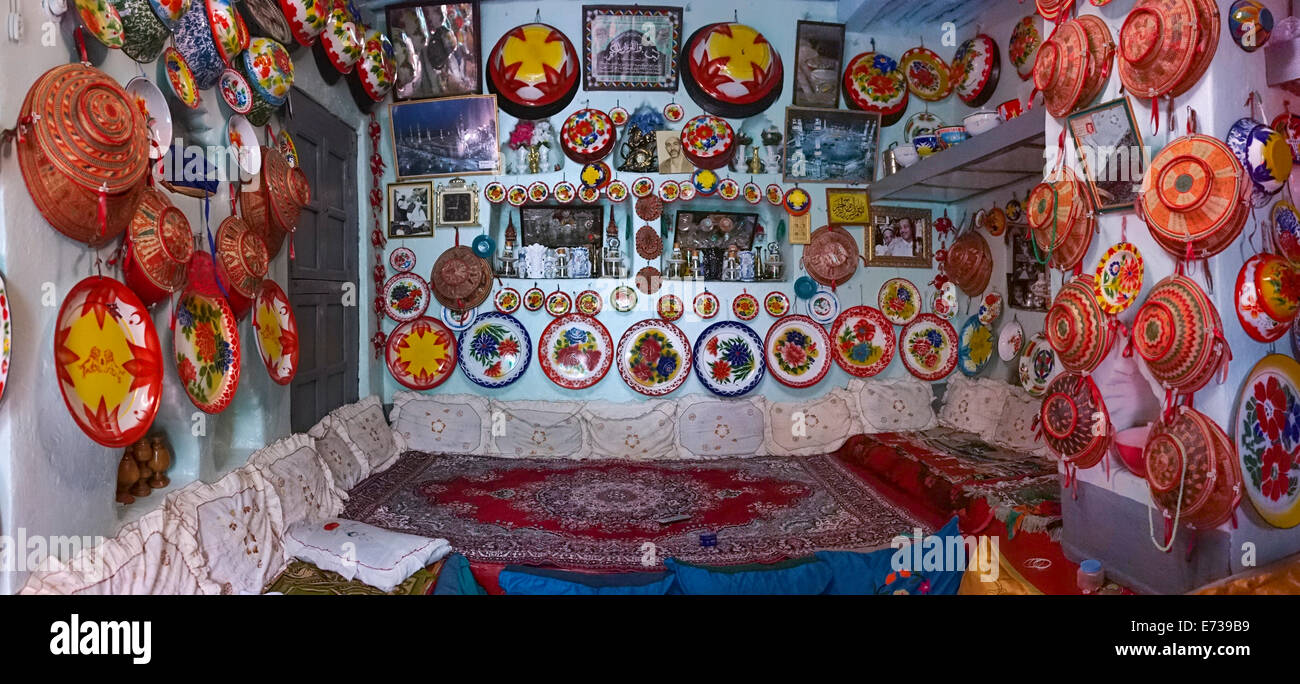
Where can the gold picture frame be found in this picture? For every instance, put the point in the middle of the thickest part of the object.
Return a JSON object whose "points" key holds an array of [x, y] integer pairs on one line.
{"points": [[848, 206], [884, 242]]}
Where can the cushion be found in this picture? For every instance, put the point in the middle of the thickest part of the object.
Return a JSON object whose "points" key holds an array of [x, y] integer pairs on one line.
{"points": [[365, 429], [529, 581], [807, 428], [538, 429], [641, 430], [346, 468], [973, 405], [301, 479], [894, 404], [799, 576], [889, 571], [441, 423], [1016, 423], [718, 428], [381, 558], [456, 579]]}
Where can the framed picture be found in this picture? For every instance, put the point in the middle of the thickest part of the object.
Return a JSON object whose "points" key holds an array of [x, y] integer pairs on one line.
{"points": [[410, 209], [1027, 285], [830, 145], [1109, 145], [630, 47], [449, 137], [437, 45], [668, 146], [559, 226], [851, 206], [457, 203], [900, 237], [819, 60]]}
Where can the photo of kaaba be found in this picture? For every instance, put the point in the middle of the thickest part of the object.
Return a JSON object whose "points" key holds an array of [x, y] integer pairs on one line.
{"points": [[456, 136]]}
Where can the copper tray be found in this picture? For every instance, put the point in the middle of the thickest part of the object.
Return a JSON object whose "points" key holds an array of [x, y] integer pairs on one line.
{"points": [[831, 258]]}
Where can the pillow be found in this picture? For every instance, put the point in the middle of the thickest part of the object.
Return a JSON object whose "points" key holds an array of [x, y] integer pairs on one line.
{"points": [[347, 469], [528, 581], [1016, 423], [640, 430], [973, 405], [381, 558], [538, 429], [799, 576], [718, 428], [441, 423], [456, 579], [807, 428], [894, 404], [365, 429], [301, 479], [854, 573]]}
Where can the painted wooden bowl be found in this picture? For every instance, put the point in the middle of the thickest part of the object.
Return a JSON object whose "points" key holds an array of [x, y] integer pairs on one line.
{"points": [[159, 244], [1193, 456], [533, 70]]}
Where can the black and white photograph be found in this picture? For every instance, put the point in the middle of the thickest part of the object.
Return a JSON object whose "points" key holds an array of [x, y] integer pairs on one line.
{"points": [[1109, 146], [410, 210], [630, 47], [449, 137], [559, 226], [899, 236], [819, 59], [437, 49], [668, 145], [1027, 286], [830, 145]]}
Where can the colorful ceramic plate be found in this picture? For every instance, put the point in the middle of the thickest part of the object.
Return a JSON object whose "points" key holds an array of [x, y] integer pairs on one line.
{"points": [[674, 112], [729, 359], [507, 300], [1286, 230], [797, 350], [153, 106], [616, 191], [534, 299], [594, 176], [618, 115], [589, 302], [685, 190], [823, 307], [558, 303], [406, 297], [102, 21], [654, 357], [929, 347], [575, 351], [107, 358], [863, 341], [921, 123], [1038, 365], [797, 201], [495, 351], [927, 74], [517, 195], [1118, 279], [6, 337], [774, 194], [180, 78], [753, 194], [1267, 439], [706, 305], [538, 192], [421, 354], [495, 192], [705, 181], [975, 349], [943, 301], [670, 307], [1010, 341], [284, 143], [728, 189], [206, 341], [623, 298], [900, 301], [668, 191], [777, 304], [276, 331], [458, 320], [588, 195], [402, 259], [564, 192], [745, 306], [642, 186]]}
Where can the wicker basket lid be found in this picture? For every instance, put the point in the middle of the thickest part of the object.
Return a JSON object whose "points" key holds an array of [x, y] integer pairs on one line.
{"points": [[1062, 68], [1179, 334], [1192, 190], [161, 240], [241, 257], [1077, 328], [1157, 46], [460, 279], [1071, 412], [1190, 443]]}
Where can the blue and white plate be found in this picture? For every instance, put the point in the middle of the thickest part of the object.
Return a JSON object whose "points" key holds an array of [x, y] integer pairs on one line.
{"points": [[729, 359], [494, 351], [975, 346], [823, 307], [459, 321]]}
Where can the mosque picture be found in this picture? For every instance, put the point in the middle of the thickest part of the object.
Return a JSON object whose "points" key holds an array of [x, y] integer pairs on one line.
{"points": [[447, 137], [830, 145]]}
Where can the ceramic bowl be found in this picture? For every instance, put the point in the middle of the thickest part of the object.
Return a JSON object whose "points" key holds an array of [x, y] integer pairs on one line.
{"points": [[906, 156], [952, 135], [981, 122], [1129, 444], [145, 33], [193, 38], [1265, 155], [1010, 109], [925, 145], [242, 138], [236, 94], [157, 115]]}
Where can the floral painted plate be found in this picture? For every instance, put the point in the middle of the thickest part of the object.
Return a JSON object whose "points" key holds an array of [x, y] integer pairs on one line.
{"points": [[507, 300], [558, 303], [729, 359], [618, 115], [616, 191], [575, 351], [823, 307], [564, 192], [797, 201], [495, 192], [670, 307], [706, 305], [276, 332], [929, 347], [594, 176], [406, 297], [1038, 365], [1118, 279], [538, 192], [775, 196], [685, 190], [180, 78], [1010, 341], [642, 187], [899, 300], [745, 306], [943, 301], [975, 348], [534, 299], [728, 189], [107, 358], [623, 298], [402, 259], [589, 302], [517, 195], [495, 351], [588, 195], [863, 340], [458, 321], [668, 191], [1286, 230], [753, 194], [1267, 439], [797, 351], [927, 74], [674, 112], [777, 304], [206, 341], [6, 337], [101, 19], [152, 105], [654, 357], [421, 354]]}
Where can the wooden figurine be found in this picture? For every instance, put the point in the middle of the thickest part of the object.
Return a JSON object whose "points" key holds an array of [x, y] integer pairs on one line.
{"points": [[161, 461], [128, 473], [142, 454]]}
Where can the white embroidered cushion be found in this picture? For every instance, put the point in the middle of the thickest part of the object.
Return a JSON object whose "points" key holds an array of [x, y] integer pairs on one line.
{"points": [[894, 404], [381, 558], [718, 428], [816, 426], [973, 405], [346, 467], [538, 429], [301, 479], [441, 423], [641, 430], [365, 429], [1015, 427]]}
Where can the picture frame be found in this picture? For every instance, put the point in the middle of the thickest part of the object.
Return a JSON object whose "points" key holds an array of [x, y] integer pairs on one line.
{"points": [[559, 225], [848, 206], [1028, 287], [668, 149], [819, 61], [457, 203], [631, 47], [885, 245], [694, 229], [1108, 143], [830, 145], [410, 209], [438, 48], [455, 136]]}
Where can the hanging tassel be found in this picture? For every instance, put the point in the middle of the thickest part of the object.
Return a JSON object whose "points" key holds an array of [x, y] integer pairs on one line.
{"points": [[172, 301], [292, 256], [103, 209]]}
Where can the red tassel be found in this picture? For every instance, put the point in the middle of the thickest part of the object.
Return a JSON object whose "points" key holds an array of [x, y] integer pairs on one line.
{"points": [[291, 252], [103, 210]]}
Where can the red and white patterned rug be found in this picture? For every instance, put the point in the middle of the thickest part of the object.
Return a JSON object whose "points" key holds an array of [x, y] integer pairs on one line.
{"points": [[596, 515]]}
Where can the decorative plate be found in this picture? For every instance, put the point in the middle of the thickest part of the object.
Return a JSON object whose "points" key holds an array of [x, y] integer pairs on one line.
{"points": [[229, 31], [874, 83], [642, 186], [1265, 155], [975, 69], [587, 135], [421, 354], [6, 337], [1015, 211], [558, 303], [169, 12], [588, 195], [102, 21], [831, 256], [235, 91], [753, 194], [674, 112], [594, 176], [1038, 366], [1266, 295], [306, 18], [243, 143], [458, 320], [654, 357], [276, 330], [823, 306], [863, 340], [745, 306], [623, 298], [495, 351], [1118, 279], [685, 190], [575, 351], [899, 300], [729, 359], [378, 69], [732, 69], [285, 145], [1023, 49], [507, 300], [180, 78], [402, 259], [152, 105], [589, 302], [975, 346], [1250, 24], [616, 191], [797, 202], [206, 342], [534, 299], [618, 115], [775, 194], [1286, 230], [705, 181], [706, 305], [1267, 439], [533, 69], [728, 189], [270, 69], [943, 301], [406, 297], [929, 347], [670, 307], [538, 192], [564, 192], [1011, 340], [797, 351], [921, 123], [708, 142], [495, 192], [108, 360], [990, 308], [927, 74], [517, 195], [668, 191], [777, 304]]}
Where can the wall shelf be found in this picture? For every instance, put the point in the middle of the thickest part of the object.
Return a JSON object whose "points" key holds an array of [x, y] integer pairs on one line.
{"points": [[1005, 156]]}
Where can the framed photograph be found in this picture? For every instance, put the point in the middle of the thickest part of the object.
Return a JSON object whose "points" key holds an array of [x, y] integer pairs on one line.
{"points": [[704, 229], [899, 237], [1027, 285], [449, 137], [848, 206], [630, 47], [437, 45], [830, 145], [410, 210], [1109, 145], [819, 60], [559, 226], [668, 146], [457, 203]]}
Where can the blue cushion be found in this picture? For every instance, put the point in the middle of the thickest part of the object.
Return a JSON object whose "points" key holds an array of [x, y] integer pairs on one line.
{"points": [[455, 579], [526, 581], [874, 573], [800, 576]]}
